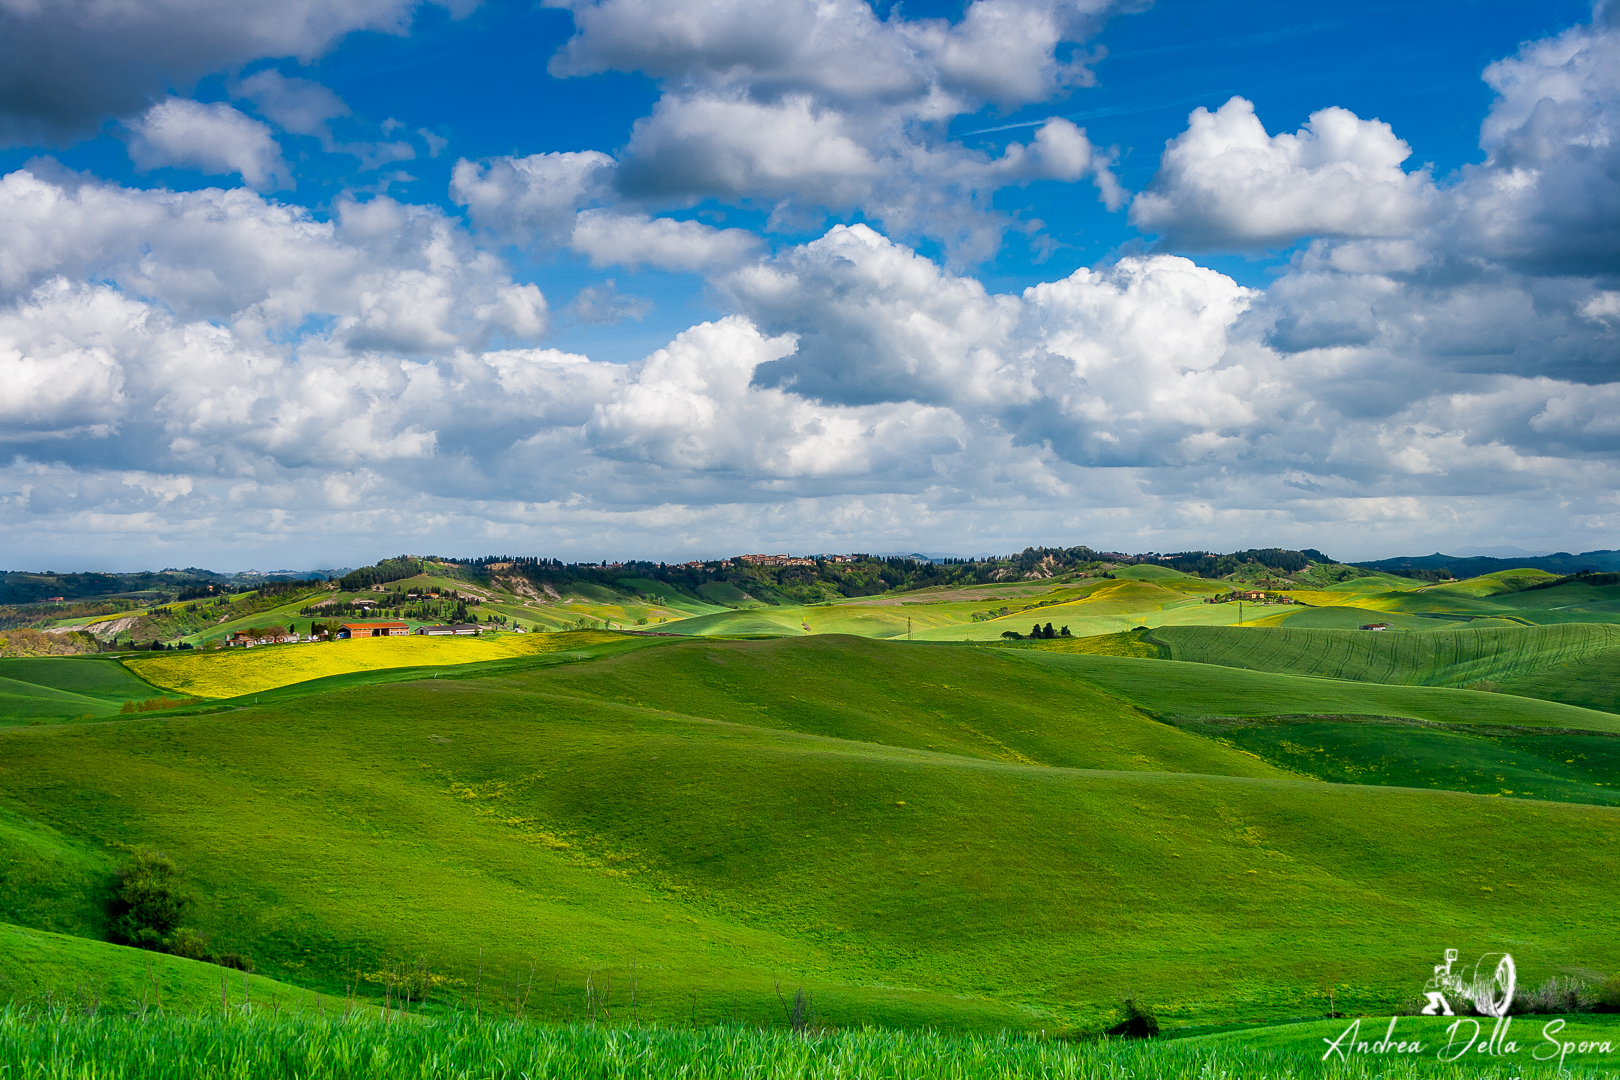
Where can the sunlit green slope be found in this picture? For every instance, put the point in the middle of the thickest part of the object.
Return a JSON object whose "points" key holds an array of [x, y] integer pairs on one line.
{"points": [[1451, 657], [896, 827], [1177, 688], [42, 969], [61, 687]]}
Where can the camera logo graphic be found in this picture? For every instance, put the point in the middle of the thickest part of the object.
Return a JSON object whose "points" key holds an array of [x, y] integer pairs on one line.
{"points": [[1489, 987]]}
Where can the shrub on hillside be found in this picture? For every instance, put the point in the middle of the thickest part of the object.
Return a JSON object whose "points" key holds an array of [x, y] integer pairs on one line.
{"points": [[157, 703], [149, 905], [1139, 1023], [150, 901], [26, 642], [1608, 995], [194, 946], [1559, 994]]}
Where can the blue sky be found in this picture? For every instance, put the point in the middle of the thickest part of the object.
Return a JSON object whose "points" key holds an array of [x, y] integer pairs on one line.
{"points": [[615, 277]]}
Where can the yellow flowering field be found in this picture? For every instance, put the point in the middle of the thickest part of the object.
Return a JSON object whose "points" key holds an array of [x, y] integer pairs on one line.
{"points": [[248, 671]]}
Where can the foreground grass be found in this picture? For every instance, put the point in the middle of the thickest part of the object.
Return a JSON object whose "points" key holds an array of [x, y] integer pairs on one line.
{"points": [[263, 1044]]}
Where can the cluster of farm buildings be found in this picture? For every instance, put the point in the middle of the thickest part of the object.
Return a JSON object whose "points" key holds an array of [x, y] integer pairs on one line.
{"points": [[1250, 596], [350, 630]]}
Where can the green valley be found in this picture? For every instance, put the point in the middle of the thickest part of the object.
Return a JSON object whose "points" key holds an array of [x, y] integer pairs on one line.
{"points": [[906, 804]]}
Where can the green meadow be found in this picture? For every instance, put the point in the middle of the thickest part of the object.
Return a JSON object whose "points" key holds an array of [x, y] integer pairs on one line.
{"points": [[48, 688], [961, 835], [925, 834], [1448, 657]]}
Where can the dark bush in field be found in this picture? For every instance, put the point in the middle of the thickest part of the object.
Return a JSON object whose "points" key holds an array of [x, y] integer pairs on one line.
{"points": [[189, 944], [194, 946], [150, 901], [1138, 1022], [1608, 995]]}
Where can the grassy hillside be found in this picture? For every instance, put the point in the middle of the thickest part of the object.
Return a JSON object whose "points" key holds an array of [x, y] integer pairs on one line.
{"points": [[1175, 688], [1439, 658], [41, 968], [59, 688], [1352, 618], [897, 828], [1560, 766], [1592, 682], [51, 880], [965, 701], [1516, 595]]}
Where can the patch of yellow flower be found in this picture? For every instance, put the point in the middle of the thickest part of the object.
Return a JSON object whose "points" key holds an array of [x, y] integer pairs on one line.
{"points": [[234, 672]]}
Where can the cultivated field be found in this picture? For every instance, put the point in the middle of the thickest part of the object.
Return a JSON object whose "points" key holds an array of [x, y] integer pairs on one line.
{"points": [[248, 671]]}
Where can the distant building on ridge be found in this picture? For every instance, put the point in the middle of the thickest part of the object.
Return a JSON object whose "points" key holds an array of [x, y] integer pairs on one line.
{"points": [[371, 629]]}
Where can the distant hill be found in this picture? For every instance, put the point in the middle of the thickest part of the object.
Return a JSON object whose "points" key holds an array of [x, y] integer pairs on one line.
{"points": [[23, 587], [1437, 565]]}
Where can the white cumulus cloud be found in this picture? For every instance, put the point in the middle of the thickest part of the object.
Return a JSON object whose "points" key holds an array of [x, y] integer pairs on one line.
{"points": [[632, 240], [1225, 183], [818, 106], [531, 199], [213, 139]]}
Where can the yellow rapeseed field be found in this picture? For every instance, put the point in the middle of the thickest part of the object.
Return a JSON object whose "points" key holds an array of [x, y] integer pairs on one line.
{"points": [[249, 671]]}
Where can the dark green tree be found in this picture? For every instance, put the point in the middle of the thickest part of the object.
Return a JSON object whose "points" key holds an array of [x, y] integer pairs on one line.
{"points": [[150, 902]]}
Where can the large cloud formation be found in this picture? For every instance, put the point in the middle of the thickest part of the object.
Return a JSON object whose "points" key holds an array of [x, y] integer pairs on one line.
{"points": [[1438, 358], [813, 106]]}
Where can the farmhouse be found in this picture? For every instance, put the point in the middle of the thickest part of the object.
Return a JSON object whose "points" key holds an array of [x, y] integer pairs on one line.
{"points": [[260, 636], [371, 629], [456, 629], [1375, 626]]}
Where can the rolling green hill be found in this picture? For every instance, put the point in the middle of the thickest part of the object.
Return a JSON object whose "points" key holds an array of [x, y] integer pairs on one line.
{"points": [[940, 835], [1177, 688], [40, 968], [61, 687], [1560, 766], [1451, 657]]}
